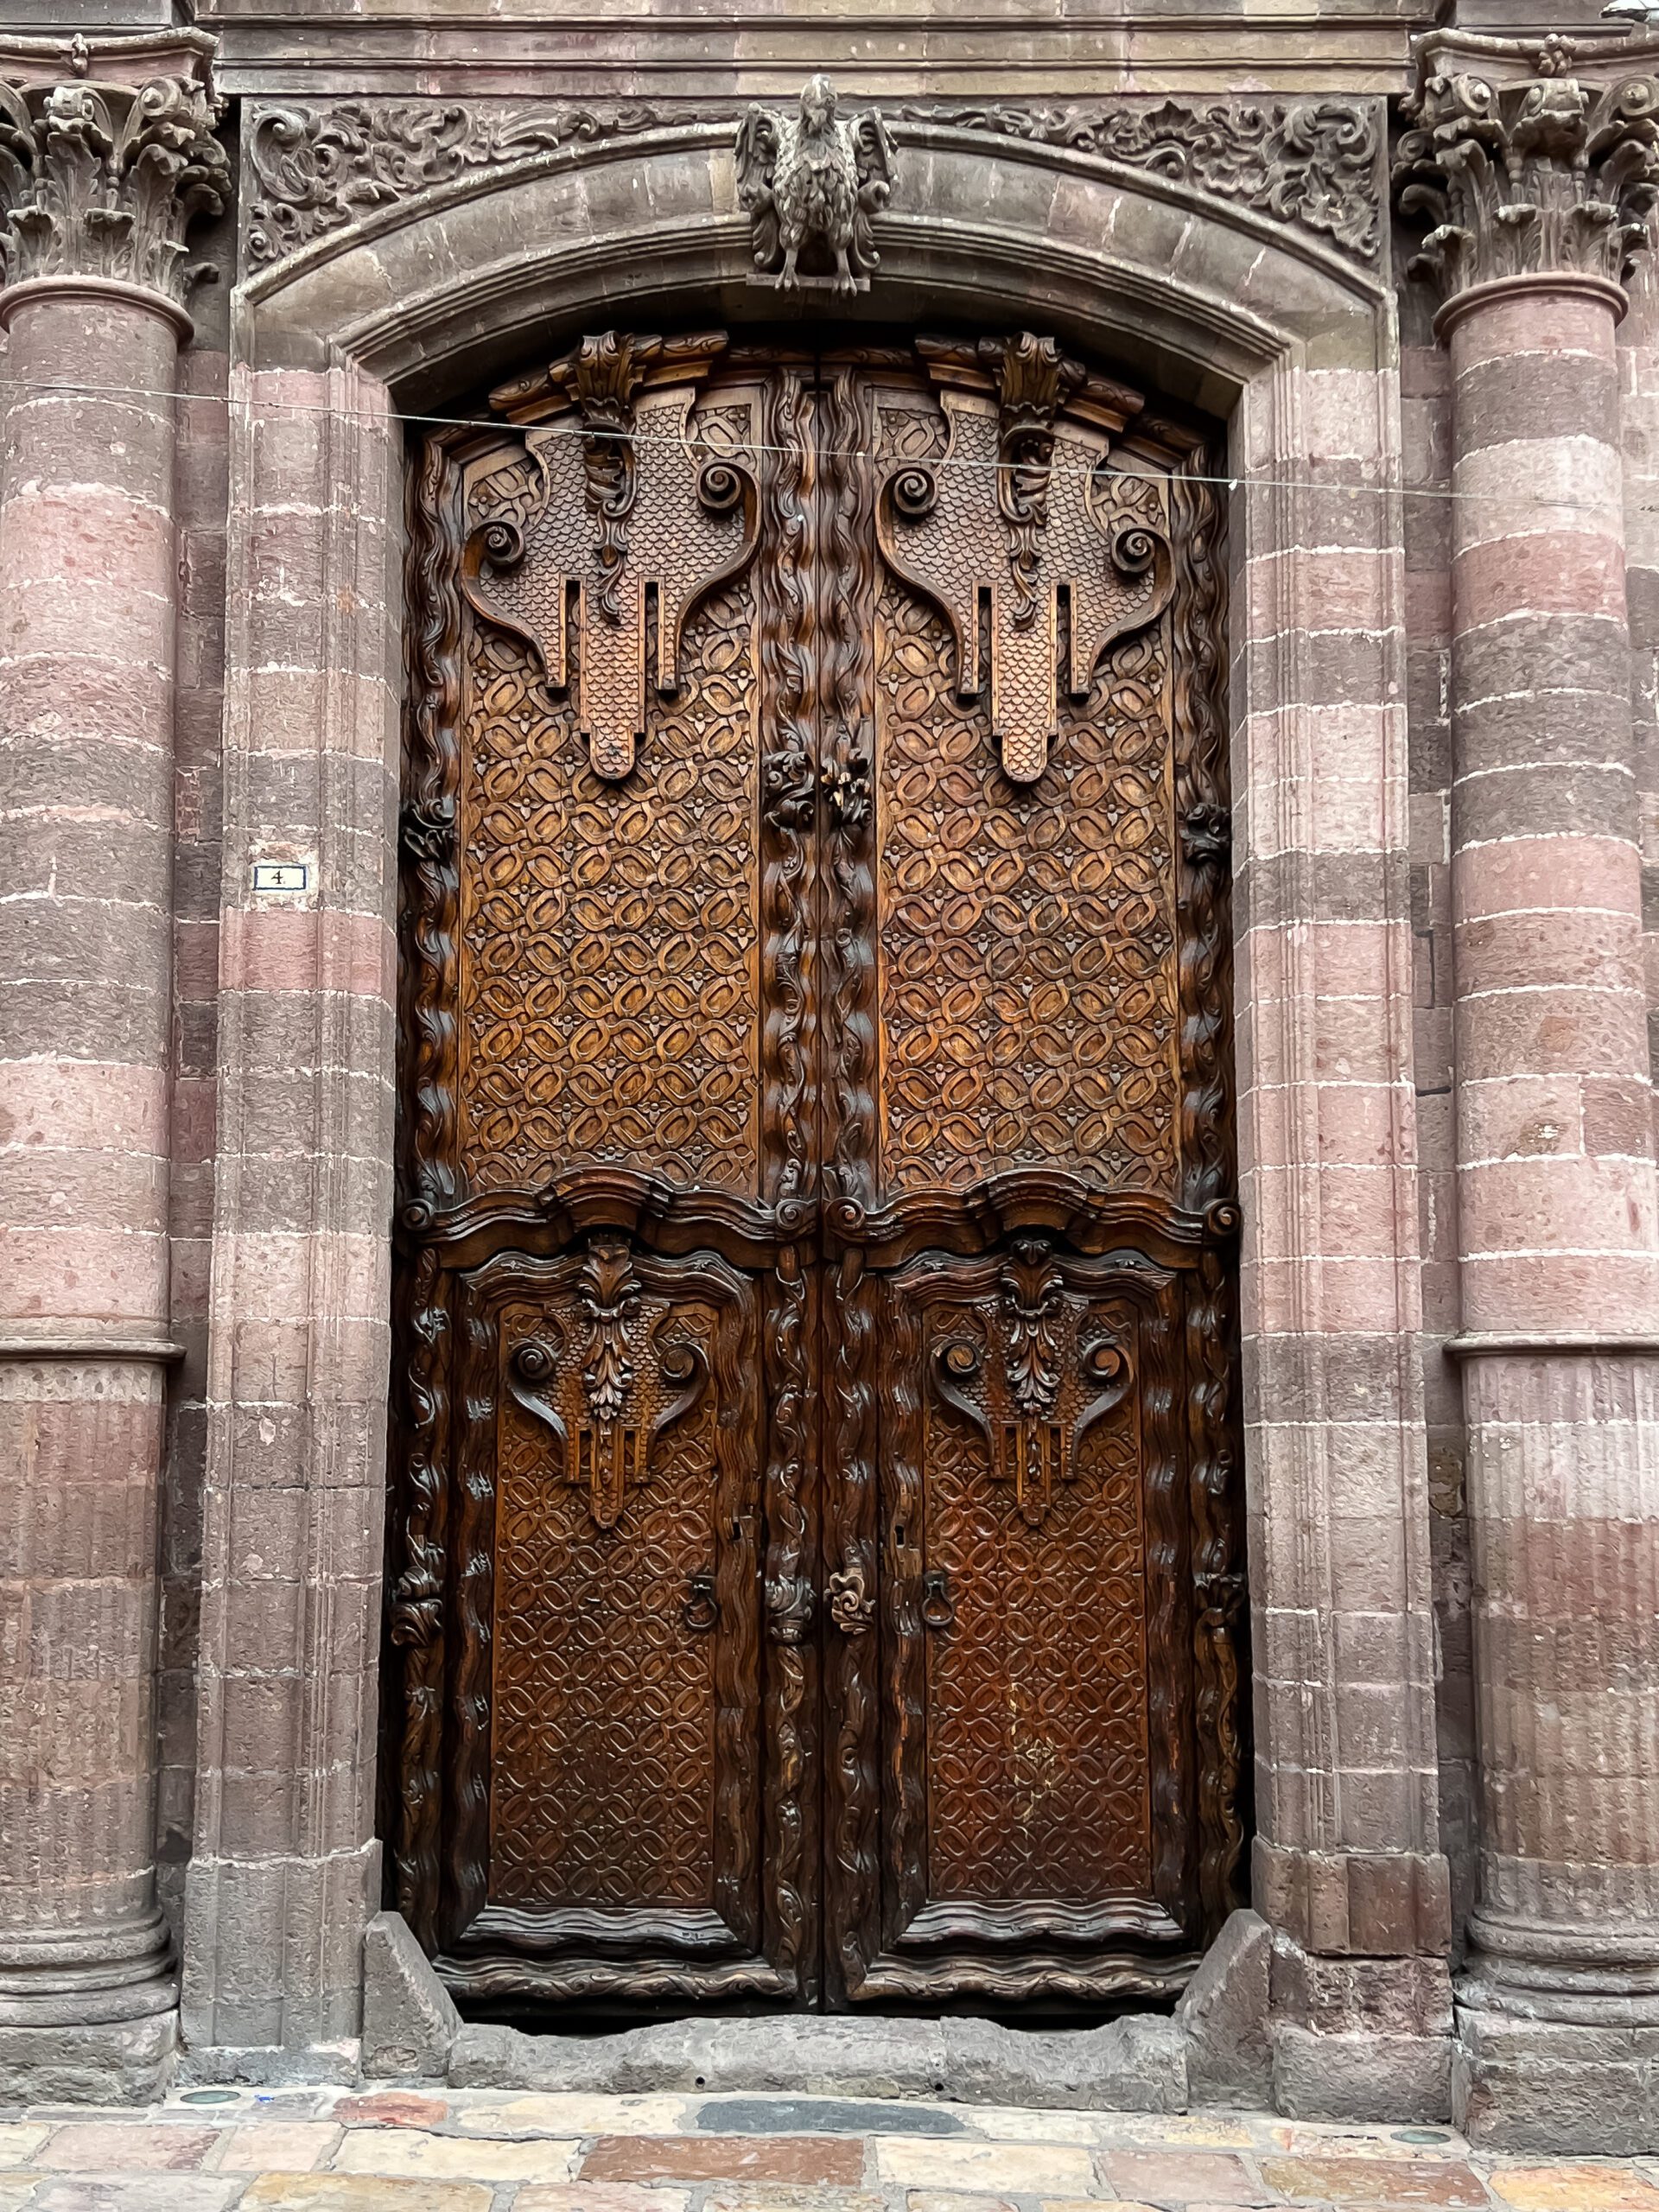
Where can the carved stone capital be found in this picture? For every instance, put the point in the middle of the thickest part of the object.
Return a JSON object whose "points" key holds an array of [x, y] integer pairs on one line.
{"points": [[107, 154], [1530, 158]]}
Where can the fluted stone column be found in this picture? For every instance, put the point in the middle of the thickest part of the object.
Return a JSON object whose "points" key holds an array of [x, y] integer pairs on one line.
{"points": [[1535, 168], [106, 152]]}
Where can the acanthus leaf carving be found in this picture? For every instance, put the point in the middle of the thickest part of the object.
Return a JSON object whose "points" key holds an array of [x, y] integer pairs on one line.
{"points": [[1313, 163], [610, 1296], [810, 184], [1527, 158], [104, 179], [1031, 1295]]}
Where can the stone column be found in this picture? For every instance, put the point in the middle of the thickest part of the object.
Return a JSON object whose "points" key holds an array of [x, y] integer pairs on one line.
{"points": [[1536, 169], [106, 153]]}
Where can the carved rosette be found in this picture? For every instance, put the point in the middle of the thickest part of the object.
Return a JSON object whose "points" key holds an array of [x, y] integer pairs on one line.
{"points": [[1524, 161], [100, 177]]}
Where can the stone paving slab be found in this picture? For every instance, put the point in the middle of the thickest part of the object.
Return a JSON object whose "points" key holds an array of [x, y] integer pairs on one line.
{"points": [[326, 2149]]}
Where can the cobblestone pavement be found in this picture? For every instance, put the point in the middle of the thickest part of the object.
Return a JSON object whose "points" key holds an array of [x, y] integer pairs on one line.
{"points": [[473, 2151]]}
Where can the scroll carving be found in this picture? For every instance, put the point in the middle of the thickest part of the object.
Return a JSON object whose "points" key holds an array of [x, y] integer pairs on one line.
{"points": [[1030, 1414], [852, 1602], [313, 170], [612, 1445], [810, 185], [1079, 576], [628, 532], [104, 179]]}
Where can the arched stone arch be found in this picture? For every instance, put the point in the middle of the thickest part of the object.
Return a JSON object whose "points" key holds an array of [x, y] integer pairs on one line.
{"points": [[1267, 325]]}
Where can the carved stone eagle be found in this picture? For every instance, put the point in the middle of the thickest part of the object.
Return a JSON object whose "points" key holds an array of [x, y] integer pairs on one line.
{"points": [[810, 185]]}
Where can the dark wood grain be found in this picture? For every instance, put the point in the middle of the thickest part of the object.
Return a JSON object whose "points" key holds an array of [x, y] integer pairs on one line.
{"points": [[816, 1562]]}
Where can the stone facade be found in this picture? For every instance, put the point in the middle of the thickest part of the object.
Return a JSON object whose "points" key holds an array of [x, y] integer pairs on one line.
{"points": [[1407, 269]]}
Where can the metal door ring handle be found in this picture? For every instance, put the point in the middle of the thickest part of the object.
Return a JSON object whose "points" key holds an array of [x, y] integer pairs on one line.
{"points": [[939, 1606], [702, 1608]]}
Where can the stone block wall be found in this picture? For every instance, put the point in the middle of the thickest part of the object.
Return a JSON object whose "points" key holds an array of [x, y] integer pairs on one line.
{"points": [[201, 495], [1425, 414]]}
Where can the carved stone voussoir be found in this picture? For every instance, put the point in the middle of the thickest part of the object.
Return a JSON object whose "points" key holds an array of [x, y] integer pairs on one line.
{"points": [[1529, 158], [103, 164]]}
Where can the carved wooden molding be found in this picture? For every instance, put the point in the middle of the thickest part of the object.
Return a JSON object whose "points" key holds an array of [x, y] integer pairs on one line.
{"points": [[103, 167], [1528, 158], [1314, 165]]}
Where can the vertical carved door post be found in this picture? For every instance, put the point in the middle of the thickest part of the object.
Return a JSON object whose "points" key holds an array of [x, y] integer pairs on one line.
{"points": [[1537, 169], [107, 153]]}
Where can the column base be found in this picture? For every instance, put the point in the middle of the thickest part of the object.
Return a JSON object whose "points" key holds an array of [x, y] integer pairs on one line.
{"points": [[1554, 2085], [117, 2062], [1360, 2039]]}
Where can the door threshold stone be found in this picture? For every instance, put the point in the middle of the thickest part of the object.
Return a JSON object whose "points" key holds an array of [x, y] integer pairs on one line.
{"points": [[1212, 2050], [1137, 2063]]}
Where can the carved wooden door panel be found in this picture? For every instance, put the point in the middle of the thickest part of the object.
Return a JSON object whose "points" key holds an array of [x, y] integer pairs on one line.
{"points": [[814, 1561]]}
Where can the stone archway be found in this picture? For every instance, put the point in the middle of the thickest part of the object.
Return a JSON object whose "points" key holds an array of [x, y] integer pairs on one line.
{"points": [[1268, 326]]}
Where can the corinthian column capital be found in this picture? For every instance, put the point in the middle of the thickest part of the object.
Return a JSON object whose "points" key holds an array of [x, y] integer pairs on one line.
{"points": [[107, 154], [1530, 158]]}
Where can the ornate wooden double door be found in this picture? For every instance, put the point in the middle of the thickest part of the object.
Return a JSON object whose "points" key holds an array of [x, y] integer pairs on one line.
{"points": [[814, 1559]]}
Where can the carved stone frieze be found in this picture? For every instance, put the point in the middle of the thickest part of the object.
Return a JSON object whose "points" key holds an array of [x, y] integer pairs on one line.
{"points": [[1529, 159], [102, 170], [810, 184], [1313, 163], [317, 169]]}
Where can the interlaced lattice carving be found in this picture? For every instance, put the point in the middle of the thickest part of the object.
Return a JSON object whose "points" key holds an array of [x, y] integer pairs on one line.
{"points": [[606, 995], [603, 1782], [1036, 1753], [1029, 993]]}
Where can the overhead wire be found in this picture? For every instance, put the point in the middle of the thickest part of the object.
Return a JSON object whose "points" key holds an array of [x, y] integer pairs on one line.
{"points": [[1231, 481]]}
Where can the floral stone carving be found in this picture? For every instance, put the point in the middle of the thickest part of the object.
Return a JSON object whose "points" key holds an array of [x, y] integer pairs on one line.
{"points": [[1313, 163]]}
